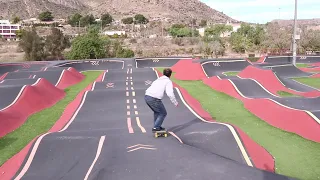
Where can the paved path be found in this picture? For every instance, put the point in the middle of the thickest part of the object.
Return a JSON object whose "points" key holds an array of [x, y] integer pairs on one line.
{"points": [[109, 137]]}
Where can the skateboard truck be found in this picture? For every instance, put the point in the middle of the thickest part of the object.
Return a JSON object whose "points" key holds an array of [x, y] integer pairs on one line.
{"points": [[160, 134]]}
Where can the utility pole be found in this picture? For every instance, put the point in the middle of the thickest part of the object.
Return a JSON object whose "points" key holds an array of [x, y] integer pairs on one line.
{"points": [[294, 47], [162, 28], [192, 25]]}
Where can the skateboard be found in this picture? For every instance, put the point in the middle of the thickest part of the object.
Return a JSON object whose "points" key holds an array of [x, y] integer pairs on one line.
{"points": [[161, 134]]}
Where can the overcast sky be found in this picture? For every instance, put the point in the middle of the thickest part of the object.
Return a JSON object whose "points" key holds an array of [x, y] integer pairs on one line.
{"points": [[262, 11]]}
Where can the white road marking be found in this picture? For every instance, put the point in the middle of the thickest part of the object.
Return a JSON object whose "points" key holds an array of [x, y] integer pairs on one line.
{"points": [[30, 158], [97, 156]]}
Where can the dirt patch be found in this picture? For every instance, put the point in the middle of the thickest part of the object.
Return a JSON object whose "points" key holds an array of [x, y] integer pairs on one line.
{"points": [[10, 52]]}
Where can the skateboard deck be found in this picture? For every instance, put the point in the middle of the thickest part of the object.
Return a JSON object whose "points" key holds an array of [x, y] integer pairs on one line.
{"points": [[161, 134]]}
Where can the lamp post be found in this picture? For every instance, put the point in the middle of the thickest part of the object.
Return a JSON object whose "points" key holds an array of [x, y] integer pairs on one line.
{"points": [[294, 48]]}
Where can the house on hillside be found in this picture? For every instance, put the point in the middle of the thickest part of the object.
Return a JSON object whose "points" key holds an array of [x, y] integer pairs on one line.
{"points": [[201, 31], [8, 30], [113, 33]]}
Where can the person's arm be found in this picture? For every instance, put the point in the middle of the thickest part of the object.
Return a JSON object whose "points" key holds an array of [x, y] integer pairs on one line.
{"points": [[170, 94]]}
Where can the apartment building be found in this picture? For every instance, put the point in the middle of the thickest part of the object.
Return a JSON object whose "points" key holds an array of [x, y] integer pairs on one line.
{"points": [[8, 30]]}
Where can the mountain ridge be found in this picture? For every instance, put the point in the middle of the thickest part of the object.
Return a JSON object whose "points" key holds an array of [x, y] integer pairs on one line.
{"points": [[177, 10]]}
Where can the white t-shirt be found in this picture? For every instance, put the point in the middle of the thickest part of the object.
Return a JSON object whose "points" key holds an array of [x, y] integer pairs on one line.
{"points": [[161, 85]]}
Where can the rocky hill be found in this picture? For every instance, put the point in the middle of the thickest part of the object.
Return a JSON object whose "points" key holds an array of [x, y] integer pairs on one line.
{"points": [[301, 22], [174, 9]]}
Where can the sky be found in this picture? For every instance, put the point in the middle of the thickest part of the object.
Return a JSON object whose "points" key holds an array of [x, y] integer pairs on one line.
{"points": [[263, 11]]}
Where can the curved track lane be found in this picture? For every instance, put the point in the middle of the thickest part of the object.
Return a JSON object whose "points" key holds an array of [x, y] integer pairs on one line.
{"points": [[217, 68], [31, 66], [288, 59], [9, 94], [279, 112], [252, 89], [268, 79], [158, 62], [86, 65], [109, 137]]}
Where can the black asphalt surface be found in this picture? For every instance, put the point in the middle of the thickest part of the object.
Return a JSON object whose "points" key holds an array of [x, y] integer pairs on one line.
{"points": [[216, 68], [5, 69], [251, 89], [52, 76], [288, 71], [93, 64], [292, 84], [56, 68], [157, 62], [288, 59], [19, 75], [209, 150], [10, 67], [8, 95], [316, 113], [17, 82]]}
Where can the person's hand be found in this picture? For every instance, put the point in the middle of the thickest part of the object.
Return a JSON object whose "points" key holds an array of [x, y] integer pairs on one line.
{"points": [[177, 105]]}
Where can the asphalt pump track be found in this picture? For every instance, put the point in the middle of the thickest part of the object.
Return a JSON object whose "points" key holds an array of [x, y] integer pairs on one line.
{"points": [[109, 137]]}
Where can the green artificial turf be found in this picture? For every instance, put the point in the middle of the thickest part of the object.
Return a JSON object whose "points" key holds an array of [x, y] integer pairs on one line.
{"points": [[294, 156], [42, 121], [286, 94], [231, 73], [314, 82], [302, 65]]}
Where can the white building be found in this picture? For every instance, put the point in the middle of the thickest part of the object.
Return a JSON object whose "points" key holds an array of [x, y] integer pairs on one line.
{"points": [[8, 30], [201, 31], [111, 33]]}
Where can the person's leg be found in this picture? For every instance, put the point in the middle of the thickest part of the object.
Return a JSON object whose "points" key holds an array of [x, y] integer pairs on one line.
{"points": [[162, 114], [151, 102], [155, 116]]}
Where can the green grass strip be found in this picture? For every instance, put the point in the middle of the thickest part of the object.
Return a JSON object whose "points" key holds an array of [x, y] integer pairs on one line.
{"points": [[314, 82], [286, 94], [302, 65], [231, 73], [42, 121], [294, 156]]}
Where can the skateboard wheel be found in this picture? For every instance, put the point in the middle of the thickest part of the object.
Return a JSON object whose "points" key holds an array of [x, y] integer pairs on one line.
{"points": [[165, 135]]}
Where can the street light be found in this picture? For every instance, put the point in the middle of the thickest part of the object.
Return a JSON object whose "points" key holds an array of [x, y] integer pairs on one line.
{"points": [[294, 48]]}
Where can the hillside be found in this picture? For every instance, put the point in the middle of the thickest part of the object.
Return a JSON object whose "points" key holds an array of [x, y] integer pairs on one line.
{"points": [[174, 9], [303, 22]]}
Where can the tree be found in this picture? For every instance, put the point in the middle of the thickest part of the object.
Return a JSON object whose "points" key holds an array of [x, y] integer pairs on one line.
{"points": [[310, 40], [19, 33], [203, 23], [180, 30], [87, 20], [46, 16], [128, 20], [240, 43], [32, 45], [74, 19], [56, 42], [15, 19], [217, 48], [87, 46], [106, 19], [218, 29], [277, 37], [140, 19]]}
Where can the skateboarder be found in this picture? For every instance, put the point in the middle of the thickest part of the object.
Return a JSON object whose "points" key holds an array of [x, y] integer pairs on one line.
{"points": [[154, 95]]}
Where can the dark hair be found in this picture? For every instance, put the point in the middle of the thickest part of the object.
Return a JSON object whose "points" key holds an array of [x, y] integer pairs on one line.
{"points": [[167, 72]]}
